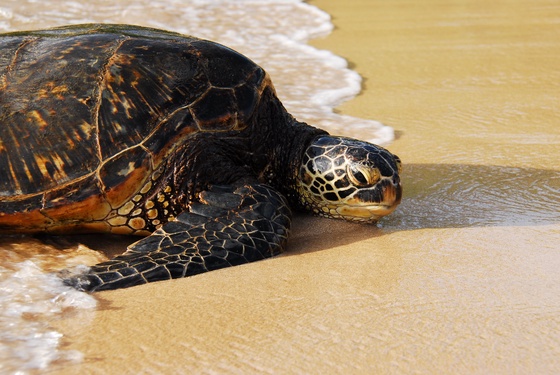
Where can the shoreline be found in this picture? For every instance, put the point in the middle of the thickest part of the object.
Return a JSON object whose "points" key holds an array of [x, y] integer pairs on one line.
{"points": [[427, 290]]}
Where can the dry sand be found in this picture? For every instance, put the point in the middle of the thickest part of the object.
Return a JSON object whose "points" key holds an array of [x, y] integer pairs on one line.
{"points": [[463, 278]]}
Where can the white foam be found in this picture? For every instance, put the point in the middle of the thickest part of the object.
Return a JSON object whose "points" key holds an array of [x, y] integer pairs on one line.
{"points": [[30, 297], [273, 33]]}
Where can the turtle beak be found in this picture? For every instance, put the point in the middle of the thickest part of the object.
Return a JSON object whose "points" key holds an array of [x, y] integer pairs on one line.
{"points": [[369, 214], [392, 195], [368, 210]]}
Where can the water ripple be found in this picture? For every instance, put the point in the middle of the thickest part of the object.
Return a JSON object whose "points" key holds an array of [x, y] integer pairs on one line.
{"points": [[451, 195]]}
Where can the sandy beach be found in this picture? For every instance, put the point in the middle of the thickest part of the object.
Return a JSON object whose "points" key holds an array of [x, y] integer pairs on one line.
{"points": [[462, 279]]}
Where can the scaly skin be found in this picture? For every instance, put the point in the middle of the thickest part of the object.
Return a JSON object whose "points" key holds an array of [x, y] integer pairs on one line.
{"points": [[233, 226]]}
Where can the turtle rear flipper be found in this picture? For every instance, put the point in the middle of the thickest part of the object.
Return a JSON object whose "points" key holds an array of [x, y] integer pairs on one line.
{"points": [[230, 226]]}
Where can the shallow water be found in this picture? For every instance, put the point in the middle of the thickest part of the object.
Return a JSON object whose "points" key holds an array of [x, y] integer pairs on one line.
{"points": [[463, 195], [462, 278], [309, 81], [465, 273]]}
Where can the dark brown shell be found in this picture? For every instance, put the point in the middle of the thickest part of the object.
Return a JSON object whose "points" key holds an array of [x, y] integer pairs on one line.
{"points": [[87, 113]]}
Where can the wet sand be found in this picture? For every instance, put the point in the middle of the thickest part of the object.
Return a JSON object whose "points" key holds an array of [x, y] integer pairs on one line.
{"points": [[463, 278]]}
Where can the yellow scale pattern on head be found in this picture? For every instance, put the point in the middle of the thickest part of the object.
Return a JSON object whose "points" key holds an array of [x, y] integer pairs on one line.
{"points": [[313, 201], [341, 178]]}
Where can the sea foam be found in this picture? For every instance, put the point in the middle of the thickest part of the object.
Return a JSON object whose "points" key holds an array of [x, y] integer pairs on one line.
{"points": [[31, 297]]}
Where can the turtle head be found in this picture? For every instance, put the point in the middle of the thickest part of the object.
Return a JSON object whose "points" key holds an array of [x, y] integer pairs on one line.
{"points": [[349, 179]]}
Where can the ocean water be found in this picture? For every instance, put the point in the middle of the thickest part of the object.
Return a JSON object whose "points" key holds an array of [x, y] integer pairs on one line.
{"points": [[273, 33]]}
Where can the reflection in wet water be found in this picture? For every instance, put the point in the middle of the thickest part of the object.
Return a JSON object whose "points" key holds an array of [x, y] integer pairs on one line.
{"points": [[452, 196]]}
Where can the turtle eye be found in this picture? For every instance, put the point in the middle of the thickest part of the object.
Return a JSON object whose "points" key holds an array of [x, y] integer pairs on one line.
{"points": [[362, 176]]}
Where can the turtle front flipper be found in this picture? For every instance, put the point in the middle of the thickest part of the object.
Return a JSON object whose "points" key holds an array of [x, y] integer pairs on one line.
{"points": [[230, 226]]}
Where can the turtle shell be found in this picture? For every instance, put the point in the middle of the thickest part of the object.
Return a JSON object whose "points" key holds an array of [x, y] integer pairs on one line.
{"points": [[89, 113]]}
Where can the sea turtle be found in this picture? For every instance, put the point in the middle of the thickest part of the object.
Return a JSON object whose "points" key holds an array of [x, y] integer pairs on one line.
{"points": [[131, 130]]}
